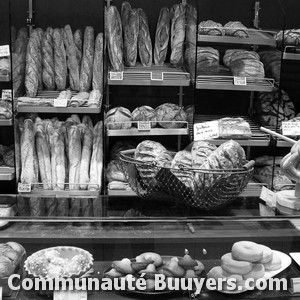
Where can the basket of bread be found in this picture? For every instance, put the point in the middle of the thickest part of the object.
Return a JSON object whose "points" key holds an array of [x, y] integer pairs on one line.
{"points": [[206, 177]]}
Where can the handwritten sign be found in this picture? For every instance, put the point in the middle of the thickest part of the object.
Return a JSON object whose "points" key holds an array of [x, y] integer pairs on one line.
{"points": [[268, 196], [239, 80], [291, 128], [60, 103], [24, 187], [4, 51], [144, 126], [206, 130], [70, 295], [6, 94], [115, 75]]}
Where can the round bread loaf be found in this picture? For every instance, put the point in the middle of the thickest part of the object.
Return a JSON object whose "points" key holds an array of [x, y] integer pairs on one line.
{"points": [[247, 68], [144, 113], [210, 27], [118, 118], [200, 151], [236, 29], [236, 54], [170, 112], [151, 152]]}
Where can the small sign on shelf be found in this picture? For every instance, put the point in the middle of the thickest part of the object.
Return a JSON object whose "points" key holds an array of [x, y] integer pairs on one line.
{"points": [[290, 128], [144, 126], [206, 131], [157, 76], [239, 80], [116, 75], [6, 94], [4, 51], [60, 103], [24, 187]]}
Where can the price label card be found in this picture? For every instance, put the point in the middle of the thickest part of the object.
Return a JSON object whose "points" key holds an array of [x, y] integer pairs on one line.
{"points": [[268, 196], [60, 102], [24, 187], [6, 94], [4, 51], [144, 126], [70, 295], [239, 80], [206, 130], [291, 128], [295, 285], [115, 75], [158, 76]]}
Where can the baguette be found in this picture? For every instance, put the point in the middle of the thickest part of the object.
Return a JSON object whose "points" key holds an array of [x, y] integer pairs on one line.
{"points": [[162, 36], [144, 40], [98, 64], [86, 70], [72, 61], [191, 26], [48, 60], [78, 44], [39, 36], [177, 34]]}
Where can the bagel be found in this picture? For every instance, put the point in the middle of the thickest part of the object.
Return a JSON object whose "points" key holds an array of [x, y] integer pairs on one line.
{"points": [[157, 260], [235, 266], [267, 254], [258, 271], [274, 264], [247, 251]]}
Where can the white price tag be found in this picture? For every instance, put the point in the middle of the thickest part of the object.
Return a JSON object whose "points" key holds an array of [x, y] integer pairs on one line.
{"points": [[115, 75], [291, 128], [239, 80], [206, 130], [70, 295], [157, 76], [268, 196], [295, 285], [6, 94], [24, 187], [60, 102], [4, 51], [144, 126]]}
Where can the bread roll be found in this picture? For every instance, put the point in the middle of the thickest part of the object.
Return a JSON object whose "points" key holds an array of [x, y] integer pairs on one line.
{"points": [[144, 113], [113, 27], [144, 40], [170, 112], [60, 60], [48, 60], [78, 43], [177, 34], [162, 36], [72, 61], [116, 116]]}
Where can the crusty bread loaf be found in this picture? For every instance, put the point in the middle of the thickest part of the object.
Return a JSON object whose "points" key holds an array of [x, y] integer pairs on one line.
{"points": [[39, 36], [191, 25], [87, 121], [67, 94], [79, 99], [162, 36], [234, 128], [118, 118], [236, 29], [200, 151], [60, 60], [272, 63], [210, 27], [247, 68], [235, 54], [72, 61], [86, 70], [144, 40], [78, 43], [94, 98], [113, 28], [177, 34], [144, 113], [170, 112], [98, 64], [48, 60]]}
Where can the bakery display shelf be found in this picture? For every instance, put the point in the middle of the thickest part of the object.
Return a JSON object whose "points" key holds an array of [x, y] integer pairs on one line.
{"points": [[258, 138], [44, 101], [165, 75], [4, 77], [225, 81], [291, 53], [122, 193], [7, 173], [256, 37], [6, 122]]}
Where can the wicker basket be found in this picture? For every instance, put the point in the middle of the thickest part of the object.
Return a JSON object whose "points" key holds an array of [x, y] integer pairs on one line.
{"points": [[203, 189]]}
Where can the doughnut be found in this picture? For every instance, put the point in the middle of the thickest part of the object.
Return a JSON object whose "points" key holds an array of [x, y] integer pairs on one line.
{"points": [[247, 251], [157, 260], [235, 266], [258, 271], [274, 264], [267, 254]]}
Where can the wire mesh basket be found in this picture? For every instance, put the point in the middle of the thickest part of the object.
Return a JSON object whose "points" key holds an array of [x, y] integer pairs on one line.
{"points": [[203, 189]]}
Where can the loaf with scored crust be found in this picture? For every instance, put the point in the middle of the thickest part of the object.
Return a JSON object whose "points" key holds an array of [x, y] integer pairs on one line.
{"points": [[144, 40], [78, 43], [48, 60], [97, 82]]}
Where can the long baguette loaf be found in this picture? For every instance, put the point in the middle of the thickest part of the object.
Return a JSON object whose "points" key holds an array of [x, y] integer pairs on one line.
{"points": [[98, 64], [177, 34], [191, 25], [113, 29], [144, 40], [48, 60], [60, 60], [72, 61], [39, 36], [84, 177], [162, 36], [86, 70], [78, 44], [74, 157], [96, 166]]}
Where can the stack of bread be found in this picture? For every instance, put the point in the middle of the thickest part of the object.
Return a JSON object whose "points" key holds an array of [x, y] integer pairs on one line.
{"points": [[58, 59], [243, 63], [128, 35], [247, 260], [167, 115]]}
